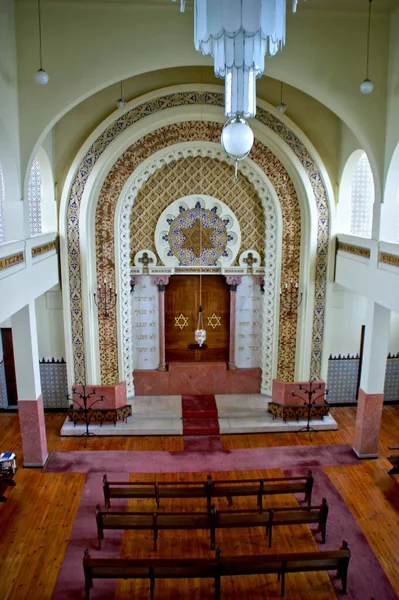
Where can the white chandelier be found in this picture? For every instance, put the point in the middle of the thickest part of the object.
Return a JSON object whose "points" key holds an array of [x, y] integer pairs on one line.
{"points": [[239, 34]]}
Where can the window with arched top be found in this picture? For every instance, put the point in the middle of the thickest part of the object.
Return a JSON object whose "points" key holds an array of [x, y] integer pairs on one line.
{"points": [[2, 230], [362, 198], [35, 198]]}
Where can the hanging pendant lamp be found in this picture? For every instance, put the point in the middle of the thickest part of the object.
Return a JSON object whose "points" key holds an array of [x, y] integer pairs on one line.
{"points": [[200, 333], [366, 87], [41, 77]]}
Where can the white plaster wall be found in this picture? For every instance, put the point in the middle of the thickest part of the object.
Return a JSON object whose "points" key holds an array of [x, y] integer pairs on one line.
{"points": [[9, 139], [394, 339], [88, 46], [346, 316], [392, 124], [317, 122], [50, 326]]}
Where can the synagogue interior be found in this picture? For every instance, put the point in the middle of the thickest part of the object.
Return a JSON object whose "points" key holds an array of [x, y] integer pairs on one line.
{"points": [[199, 310]]}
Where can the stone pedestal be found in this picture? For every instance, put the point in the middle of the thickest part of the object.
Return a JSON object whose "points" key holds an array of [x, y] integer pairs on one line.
{"points": [[367, 428], [282, 392], [114, 395], [33, 432]]}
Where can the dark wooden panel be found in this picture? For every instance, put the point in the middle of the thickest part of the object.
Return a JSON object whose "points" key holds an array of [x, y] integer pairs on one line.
{"points": [[182, 296], [9, 366]]}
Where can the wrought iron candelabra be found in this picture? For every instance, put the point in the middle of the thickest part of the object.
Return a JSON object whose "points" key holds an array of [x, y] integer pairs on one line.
{"points": [[290, 297], [81, 400], [105, 298], [309, 401]]}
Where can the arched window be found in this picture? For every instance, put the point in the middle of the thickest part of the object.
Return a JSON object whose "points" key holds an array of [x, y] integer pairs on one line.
{"points": [[35, 198], [2, 230], [362, 198]]}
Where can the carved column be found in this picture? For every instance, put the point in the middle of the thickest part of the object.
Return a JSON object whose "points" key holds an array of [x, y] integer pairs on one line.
{"points": [[233, 282], [161, 281]]}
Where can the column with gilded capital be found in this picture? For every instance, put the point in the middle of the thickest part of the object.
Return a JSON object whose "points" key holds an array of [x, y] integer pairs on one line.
{"points": [[161, 281], [233, 282]]}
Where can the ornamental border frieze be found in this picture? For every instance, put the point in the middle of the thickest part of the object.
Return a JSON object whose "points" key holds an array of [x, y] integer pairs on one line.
{"points": [[111, 133], [10, 261], [353, 249], [389, 259], [43, 248]]}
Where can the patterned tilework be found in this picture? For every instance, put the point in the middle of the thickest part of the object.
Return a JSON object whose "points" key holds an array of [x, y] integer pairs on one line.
{"points": [[53, 379], [391, 387], [117, 177], [135, 115], [3, 387], [342, 380], [203, 175]]}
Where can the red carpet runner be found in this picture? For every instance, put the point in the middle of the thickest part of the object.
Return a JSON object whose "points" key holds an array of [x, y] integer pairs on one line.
{"points": [[200, 423]]}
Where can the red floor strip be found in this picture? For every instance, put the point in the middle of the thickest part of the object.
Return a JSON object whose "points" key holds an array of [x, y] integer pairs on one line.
{"points": [[199, 407]]}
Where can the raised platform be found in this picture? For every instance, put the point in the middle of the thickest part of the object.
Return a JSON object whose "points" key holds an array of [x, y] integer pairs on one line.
{"points": [[162, 415], [197, 378]]}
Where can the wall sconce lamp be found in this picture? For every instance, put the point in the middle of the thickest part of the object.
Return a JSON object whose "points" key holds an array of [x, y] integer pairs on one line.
{"points": [[290, 298], [105, 298]]}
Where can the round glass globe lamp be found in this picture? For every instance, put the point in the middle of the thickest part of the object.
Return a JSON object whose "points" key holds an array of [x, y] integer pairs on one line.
{"points": [[41, 77], [237, 138], [121, 103], [366, 87]]}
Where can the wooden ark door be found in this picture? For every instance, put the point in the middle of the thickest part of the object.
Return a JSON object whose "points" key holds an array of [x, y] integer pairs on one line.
{"points": [[181, 317]]}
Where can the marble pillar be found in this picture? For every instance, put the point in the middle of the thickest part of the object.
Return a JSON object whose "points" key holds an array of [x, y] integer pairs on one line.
{"points": [[30, 401], [161, 281], [233, 282], [371, 396]]}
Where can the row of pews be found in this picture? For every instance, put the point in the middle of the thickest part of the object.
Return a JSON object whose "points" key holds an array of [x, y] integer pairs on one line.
{"points": [[219, 566]]}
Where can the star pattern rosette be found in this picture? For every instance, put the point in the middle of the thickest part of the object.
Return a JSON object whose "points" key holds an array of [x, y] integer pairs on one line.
{"points": [[197, 236]]}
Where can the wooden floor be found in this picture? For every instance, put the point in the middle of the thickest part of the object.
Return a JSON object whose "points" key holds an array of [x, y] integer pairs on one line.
{"points": [[36, 521]]}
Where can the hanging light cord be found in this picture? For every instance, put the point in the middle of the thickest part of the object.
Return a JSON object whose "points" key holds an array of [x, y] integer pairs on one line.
{"points": [[40, 33], [121, 90], [281, 93], [200, 298], [368, 41]]}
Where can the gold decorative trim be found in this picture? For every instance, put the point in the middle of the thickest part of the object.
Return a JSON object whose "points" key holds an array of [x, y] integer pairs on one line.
{"points": [[214, 321], [10, 261], [181, 321], [37, 250], [352, 249], [389, 259]]}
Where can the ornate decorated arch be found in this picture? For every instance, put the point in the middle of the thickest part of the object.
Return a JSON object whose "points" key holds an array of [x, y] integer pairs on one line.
{"points": [[162, 138]]}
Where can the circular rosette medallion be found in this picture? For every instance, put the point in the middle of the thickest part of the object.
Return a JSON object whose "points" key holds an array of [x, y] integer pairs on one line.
{"points": [[197, 236]]}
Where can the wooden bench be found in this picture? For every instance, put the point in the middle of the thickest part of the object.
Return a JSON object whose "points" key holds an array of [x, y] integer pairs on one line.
{"points": [[211, 520], [273, 517], [216, 568], [154, 522], [210, 489]]}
